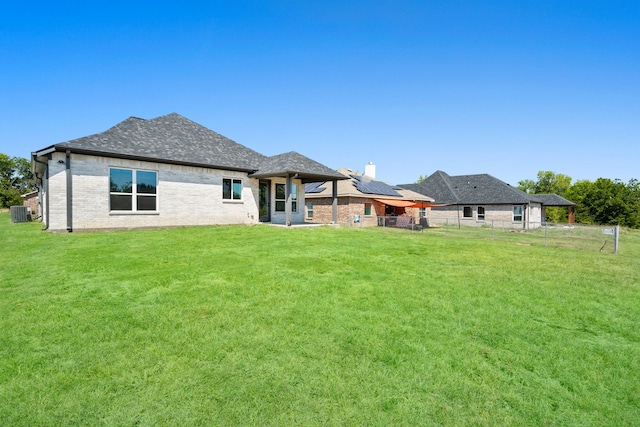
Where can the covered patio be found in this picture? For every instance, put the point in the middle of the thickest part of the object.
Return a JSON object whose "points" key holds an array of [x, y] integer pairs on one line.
{"points": [[293, 165]]}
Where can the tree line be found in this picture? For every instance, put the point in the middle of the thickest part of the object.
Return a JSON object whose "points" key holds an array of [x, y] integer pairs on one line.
{"points": [[15, 180]]}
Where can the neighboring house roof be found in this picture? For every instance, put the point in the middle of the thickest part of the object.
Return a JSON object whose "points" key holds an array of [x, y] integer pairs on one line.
{"points": [[477, 189], [177, 140], [359, 185], [554, 200]]}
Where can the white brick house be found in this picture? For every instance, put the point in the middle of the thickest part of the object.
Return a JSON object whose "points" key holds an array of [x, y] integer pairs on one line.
{"points": [[165, 172]]}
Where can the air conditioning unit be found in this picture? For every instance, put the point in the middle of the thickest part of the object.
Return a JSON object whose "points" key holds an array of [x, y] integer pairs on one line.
{"points": [[20, 213]]}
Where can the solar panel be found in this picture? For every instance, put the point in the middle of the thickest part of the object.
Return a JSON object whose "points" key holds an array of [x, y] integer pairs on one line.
{"points": [[367, 185], [313, 187]]}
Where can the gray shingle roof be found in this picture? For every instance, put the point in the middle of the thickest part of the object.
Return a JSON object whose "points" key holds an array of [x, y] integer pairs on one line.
{"points": [[473, 190], [554, 200], [295, 163], [171, 139], [175, 139]]}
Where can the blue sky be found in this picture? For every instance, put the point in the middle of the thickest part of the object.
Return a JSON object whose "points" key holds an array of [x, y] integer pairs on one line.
{"points": [[507, 88]]}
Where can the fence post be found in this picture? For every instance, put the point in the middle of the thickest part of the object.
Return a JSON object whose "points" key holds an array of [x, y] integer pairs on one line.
{"points": [[546, 228], [615, 239]]}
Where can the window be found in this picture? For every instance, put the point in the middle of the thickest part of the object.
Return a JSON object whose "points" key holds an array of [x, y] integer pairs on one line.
{"points": [[281, 197], [294, 198], [517, 213], [309, 210], [231, 189], [480, 213], [467, 212], [133, 190], [422, 212], [367, 209]]}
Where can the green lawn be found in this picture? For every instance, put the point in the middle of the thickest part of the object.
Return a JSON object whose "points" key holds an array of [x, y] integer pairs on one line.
{"points": [[261, 325]]}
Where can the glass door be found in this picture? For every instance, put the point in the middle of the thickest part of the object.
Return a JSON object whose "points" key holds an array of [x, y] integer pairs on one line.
{"points": [[264, 202]]}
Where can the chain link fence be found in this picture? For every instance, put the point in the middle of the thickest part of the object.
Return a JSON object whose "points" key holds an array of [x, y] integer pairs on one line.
{"points": [[573, 236]]}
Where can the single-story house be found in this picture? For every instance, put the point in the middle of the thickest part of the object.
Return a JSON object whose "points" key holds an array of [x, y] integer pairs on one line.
{"points": [[364, 200], [168, 171], [482, 198]]}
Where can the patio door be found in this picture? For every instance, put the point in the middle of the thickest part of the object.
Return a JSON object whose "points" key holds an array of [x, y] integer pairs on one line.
{"points": [[264, 201]]}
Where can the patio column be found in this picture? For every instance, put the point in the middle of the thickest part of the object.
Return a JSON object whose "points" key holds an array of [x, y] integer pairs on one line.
{"points": [[287, 207], [572, 214], [334, 206]]}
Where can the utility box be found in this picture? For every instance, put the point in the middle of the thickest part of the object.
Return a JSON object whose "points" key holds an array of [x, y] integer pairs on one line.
{"points": [[20, 213]]}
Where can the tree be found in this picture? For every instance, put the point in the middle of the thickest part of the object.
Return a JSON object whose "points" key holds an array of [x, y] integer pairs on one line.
{"points": [[422, 178], [577, 194], [549, 183], [607, 202], [15, 180], [527, 185]]}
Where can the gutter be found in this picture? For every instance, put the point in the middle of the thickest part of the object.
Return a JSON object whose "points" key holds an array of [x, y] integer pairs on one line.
{"points": [[44, 183]]}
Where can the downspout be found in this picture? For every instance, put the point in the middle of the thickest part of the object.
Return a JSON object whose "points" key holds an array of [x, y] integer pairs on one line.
{"points": [[69, 193], [45, 183]]}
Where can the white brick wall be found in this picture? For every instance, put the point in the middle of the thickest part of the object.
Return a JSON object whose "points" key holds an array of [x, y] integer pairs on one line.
{"points": [[502, 214], [280, 217], [186, 196]]}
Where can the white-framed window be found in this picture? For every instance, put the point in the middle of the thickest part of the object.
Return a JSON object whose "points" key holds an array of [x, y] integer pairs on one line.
{"points": [[309, 210], [133, 190], [231, 189], [467, 212], [517, 213], [281, 197], [480, 213], [367, 209], [422, 212]]}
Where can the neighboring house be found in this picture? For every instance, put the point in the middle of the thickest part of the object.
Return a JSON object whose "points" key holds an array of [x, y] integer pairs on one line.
{"points": [[479, 199], [164, 172], [31, 200], [363, 200]]}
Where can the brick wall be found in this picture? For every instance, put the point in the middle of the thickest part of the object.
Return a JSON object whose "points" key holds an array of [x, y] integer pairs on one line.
{"points": [[31, 200], [502, 214], [185, 195], [348, 207]]}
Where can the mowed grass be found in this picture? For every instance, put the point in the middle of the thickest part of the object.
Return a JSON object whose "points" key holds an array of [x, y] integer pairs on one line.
{"points": [[261, 325]]}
